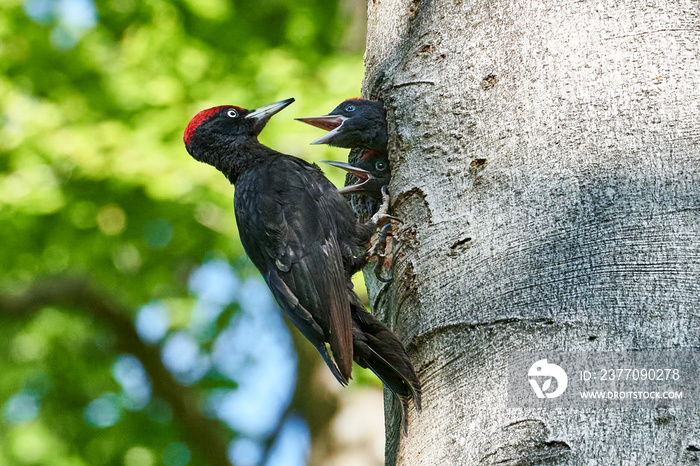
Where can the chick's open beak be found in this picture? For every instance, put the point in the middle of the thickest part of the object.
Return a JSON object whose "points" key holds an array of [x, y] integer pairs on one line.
{"points": [[331, 123], [363, 175]]}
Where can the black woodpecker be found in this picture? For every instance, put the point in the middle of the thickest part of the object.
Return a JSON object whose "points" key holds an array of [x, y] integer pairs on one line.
{"points": [[302, 236], [372, 173], [360, 125], [355, 123]]}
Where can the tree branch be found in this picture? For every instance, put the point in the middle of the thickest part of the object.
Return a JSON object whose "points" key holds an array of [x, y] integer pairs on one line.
{"points": [[81, 295]]}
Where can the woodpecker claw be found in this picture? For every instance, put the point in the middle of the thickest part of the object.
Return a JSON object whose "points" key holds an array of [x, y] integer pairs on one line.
{"points": [[382, 250], [391, 217], [383, 211], [378, 269]]}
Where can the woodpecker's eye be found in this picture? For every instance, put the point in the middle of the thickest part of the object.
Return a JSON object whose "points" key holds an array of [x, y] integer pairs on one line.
{"points": [[380, 166], [232, 113], [350, 108]]}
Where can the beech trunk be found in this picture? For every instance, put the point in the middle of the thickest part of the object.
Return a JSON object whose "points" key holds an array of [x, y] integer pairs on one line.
{"points": [[546, 165]]}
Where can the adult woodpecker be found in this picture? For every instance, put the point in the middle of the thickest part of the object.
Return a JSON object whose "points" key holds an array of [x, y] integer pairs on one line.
{"points": [[302, 236], [360, 125]]}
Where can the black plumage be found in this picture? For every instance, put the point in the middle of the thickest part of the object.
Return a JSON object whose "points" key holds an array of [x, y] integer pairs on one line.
{"points": [[371, 171], [302, 236], [360, 125], [355, 123]]}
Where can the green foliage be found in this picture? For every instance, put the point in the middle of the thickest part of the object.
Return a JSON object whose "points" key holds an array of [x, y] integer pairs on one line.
{"points": [[95, 181]]}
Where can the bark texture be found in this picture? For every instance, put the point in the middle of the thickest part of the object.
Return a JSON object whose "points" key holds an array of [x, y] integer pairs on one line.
{"points": [[546, 164]]}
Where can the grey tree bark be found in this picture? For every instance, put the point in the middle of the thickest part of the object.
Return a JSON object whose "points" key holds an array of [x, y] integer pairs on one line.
{"points": [[546, 163]]}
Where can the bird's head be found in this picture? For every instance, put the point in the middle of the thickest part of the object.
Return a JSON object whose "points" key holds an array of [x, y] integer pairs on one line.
{"points": [[214, 129], [354, 123], [372, 172]]}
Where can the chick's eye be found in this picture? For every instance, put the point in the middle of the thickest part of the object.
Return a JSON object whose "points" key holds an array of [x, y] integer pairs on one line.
{"points": [[381, 166], [232, 113], [350, 108]]}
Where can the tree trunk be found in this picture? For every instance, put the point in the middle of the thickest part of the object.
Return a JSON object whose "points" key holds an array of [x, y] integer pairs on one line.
{"points": [[546, 165]]}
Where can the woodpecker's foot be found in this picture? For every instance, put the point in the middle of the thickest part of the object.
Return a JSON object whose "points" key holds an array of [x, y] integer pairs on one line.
{"points": [[382, 244], [377, 245], [384, 267], [382, 250], [385, 240], [379, 273], [382, 214]]}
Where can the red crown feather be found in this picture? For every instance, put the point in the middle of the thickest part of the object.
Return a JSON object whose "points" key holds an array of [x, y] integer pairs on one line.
{"points": [[200, 118]]}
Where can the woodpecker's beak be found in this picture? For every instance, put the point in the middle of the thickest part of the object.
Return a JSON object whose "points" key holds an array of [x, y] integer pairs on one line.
{"points": [[331, 123], [262, 115], [363, 175]]}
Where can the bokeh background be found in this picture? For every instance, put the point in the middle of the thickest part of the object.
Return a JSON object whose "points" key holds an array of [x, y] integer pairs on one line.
{"points": [[133, 329]]}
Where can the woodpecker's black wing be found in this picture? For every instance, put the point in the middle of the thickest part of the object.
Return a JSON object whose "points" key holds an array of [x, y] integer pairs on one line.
{"points": [[286, 213]]}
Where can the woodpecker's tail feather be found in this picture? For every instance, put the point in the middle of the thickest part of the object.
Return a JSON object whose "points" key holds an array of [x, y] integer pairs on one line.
{"points": [[376, 348]]}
